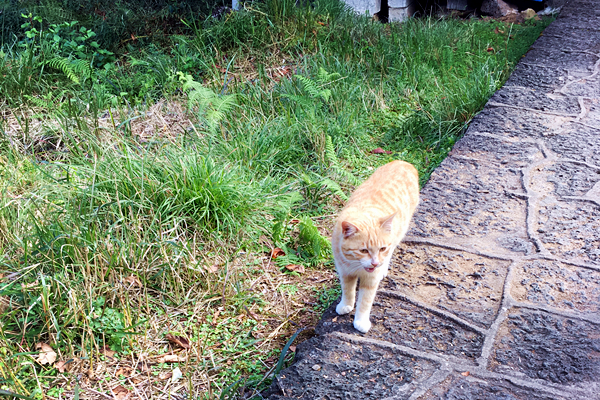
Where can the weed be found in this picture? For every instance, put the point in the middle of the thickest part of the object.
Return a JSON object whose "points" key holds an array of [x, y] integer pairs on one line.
{"points": [[326, 297]]}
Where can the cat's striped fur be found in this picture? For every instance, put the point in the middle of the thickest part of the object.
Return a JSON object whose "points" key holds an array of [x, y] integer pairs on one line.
{"points": [[367, 231]]}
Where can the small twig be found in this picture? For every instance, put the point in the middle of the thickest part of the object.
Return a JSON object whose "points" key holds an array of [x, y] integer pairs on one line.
{"points": [[100, 393], [250, 313], [225, 284]]}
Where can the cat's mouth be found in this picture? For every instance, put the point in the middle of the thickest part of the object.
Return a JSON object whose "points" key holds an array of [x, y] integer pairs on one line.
{"points": [[370, 269]]}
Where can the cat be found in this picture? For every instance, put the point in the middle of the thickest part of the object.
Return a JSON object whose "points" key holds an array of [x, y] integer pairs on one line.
{"points": [[367, 231]]}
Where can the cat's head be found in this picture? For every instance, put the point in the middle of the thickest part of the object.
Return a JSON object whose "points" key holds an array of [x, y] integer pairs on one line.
{"points": [[370, 244]]}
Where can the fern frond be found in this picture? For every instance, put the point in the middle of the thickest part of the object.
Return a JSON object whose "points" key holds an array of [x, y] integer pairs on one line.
{"points": [[301, 100], [290, 257], [82, 67], [322, 74], [212, 107], [287, 201], [312, 240], [53, 13], [325, 94], [326, 77], [41, 103], [330, 153], [334, 187], [200, 96], [282, 210], [309, 86], [193, 85], [225, 103], [63, 64], [213, 117], [333, 161]]}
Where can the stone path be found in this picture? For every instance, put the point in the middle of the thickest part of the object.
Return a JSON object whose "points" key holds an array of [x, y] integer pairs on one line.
{"points": [[495, 294]]}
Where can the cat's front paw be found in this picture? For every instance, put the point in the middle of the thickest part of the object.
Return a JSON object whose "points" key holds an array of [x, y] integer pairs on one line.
{"points": [[343, 308], [362, 325]]}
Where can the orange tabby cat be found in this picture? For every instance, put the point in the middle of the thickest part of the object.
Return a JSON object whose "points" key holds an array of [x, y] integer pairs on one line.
{"points": [[368, 230]]}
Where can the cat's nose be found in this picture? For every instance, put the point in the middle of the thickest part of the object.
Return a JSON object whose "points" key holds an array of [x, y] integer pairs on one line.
{"points": [[374, 263]]}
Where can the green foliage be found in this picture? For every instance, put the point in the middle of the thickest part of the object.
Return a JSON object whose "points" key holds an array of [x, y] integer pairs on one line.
{"points": [[211, 107], [283, 214], [29, 65], [109, 324], [301, 242], [114, 22], [73, 69], [326, 297], [334, 164], [299, 238], [312, 242], [179, 187], [65, 40], [314, 90]]}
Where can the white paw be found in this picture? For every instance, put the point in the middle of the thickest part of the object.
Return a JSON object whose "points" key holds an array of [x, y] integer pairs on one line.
{"points": [[362, 325], [342, 308]]}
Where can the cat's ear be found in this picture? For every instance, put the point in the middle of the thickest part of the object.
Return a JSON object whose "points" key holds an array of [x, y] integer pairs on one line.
{"points": [[387, 223], [348, 229]]}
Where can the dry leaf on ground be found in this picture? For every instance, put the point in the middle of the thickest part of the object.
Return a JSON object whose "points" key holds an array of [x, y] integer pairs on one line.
{"points": [[379, 150], [277, 252], [107, 352], [47, 354], [213, 269], [124, 371], [120, 393], [178, 341], [133, 280], [296, 268], [165, 375], [61, 366]]}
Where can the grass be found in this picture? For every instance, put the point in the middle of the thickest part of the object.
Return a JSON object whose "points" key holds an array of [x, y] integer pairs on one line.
{"points": [[146, 187]]}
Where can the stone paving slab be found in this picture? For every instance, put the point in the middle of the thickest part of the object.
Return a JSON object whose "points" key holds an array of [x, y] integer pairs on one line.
{"points": [[558, 285], [495, 292], [333, 367], [546, 346], [414, 325], [469, 286], [518, 124], [458, 387]]}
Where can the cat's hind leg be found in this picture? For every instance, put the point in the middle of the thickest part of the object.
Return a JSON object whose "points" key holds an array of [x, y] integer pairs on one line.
{"points": [[348, 284]]}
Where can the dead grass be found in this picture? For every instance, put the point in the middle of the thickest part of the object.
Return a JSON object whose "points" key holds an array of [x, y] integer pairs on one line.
{"points": [[147, 371], [164, 119], [283, 302], [37, 130], [247, 70]]}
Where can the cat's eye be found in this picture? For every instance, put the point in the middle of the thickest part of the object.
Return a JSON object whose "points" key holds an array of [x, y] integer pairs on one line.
{"points": [[383, 249], [364, 251]]}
